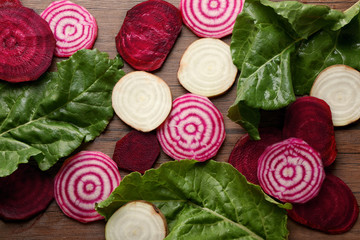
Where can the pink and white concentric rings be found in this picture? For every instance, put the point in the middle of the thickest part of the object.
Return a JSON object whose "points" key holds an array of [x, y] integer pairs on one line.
{"points": [[291, 171], [74, 28], [84, 179], [210, 18], [194, 129]]}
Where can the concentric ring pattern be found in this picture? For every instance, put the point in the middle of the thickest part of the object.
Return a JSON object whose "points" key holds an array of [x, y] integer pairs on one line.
{"points": [[291, 171], [137, 220], [339, 87], [194, 129], [85, 179], [73, 26], [142, 100], [210, 18], [206, 68]]}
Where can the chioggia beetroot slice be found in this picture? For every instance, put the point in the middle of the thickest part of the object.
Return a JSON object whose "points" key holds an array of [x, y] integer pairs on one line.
{"points": [[25, 193], [148, 33], [137, 151], [210, 18], [26, 43], [291, 171], [244, 156], [334, 210], [193, 130], [309, 118], [84, 179], [73, 26]]}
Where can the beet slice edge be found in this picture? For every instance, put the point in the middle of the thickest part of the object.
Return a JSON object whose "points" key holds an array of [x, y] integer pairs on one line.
{"points": [[244, 156], [148, 34], [137, 151], [309, 118], [26, 43], [25, 193], [334, 210]]}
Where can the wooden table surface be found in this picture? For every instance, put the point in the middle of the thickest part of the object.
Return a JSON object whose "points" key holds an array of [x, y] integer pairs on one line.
{"points": [[53, 224]]}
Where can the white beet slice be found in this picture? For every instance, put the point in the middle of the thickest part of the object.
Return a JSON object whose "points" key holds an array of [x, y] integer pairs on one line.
{"points": [[210, 18], [339, 87], [142, 100], [206, 68], [136, 220]]}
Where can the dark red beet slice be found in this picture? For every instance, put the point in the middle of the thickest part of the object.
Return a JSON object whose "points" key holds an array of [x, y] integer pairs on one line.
{"points": [[25, 193], [244, 156], [137, 151], [148, 33], [334, 210], [309, 119], [26, 43], [10, 3]]}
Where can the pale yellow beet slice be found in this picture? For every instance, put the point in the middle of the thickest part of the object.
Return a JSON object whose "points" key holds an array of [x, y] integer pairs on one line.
{"points": [[142, 100], [206, 67], [136, 220], [339, 87]]}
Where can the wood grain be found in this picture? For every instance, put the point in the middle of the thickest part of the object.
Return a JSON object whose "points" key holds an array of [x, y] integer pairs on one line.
{"points": [[53, 224]]}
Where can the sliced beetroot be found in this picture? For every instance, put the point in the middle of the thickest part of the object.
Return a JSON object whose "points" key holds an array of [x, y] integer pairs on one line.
{"points": [[25, 193], [142, 100], [124, 223], [206, 67], [334, 210], [137, 151], [84, 179], [291, 171], [244, 156], [210, 18], [26, 43], [338, 85], [73, 26], [10, 3], [148, 33], [309, 118], [194, 129]]}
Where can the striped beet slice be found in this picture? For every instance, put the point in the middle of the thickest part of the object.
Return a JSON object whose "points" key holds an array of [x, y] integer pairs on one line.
{"points": [[210, 18], [73, 26], [244, 156], [291, 171], [335, 210], [193, 130], [84, 179], [26, 43]]}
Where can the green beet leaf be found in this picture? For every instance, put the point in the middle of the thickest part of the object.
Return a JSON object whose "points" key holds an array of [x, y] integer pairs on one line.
{"points": [[280, 47], [49, 118], [323, 49], [201, 200]]}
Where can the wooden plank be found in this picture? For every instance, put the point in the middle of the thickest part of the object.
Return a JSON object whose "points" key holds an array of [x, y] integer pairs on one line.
{"points": [[53, 224]]}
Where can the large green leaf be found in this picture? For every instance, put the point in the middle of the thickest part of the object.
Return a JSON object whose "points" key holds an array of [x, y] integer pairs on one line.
{"points": [[203, 200], [323, 49], [49, 118], [273, 42]]}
